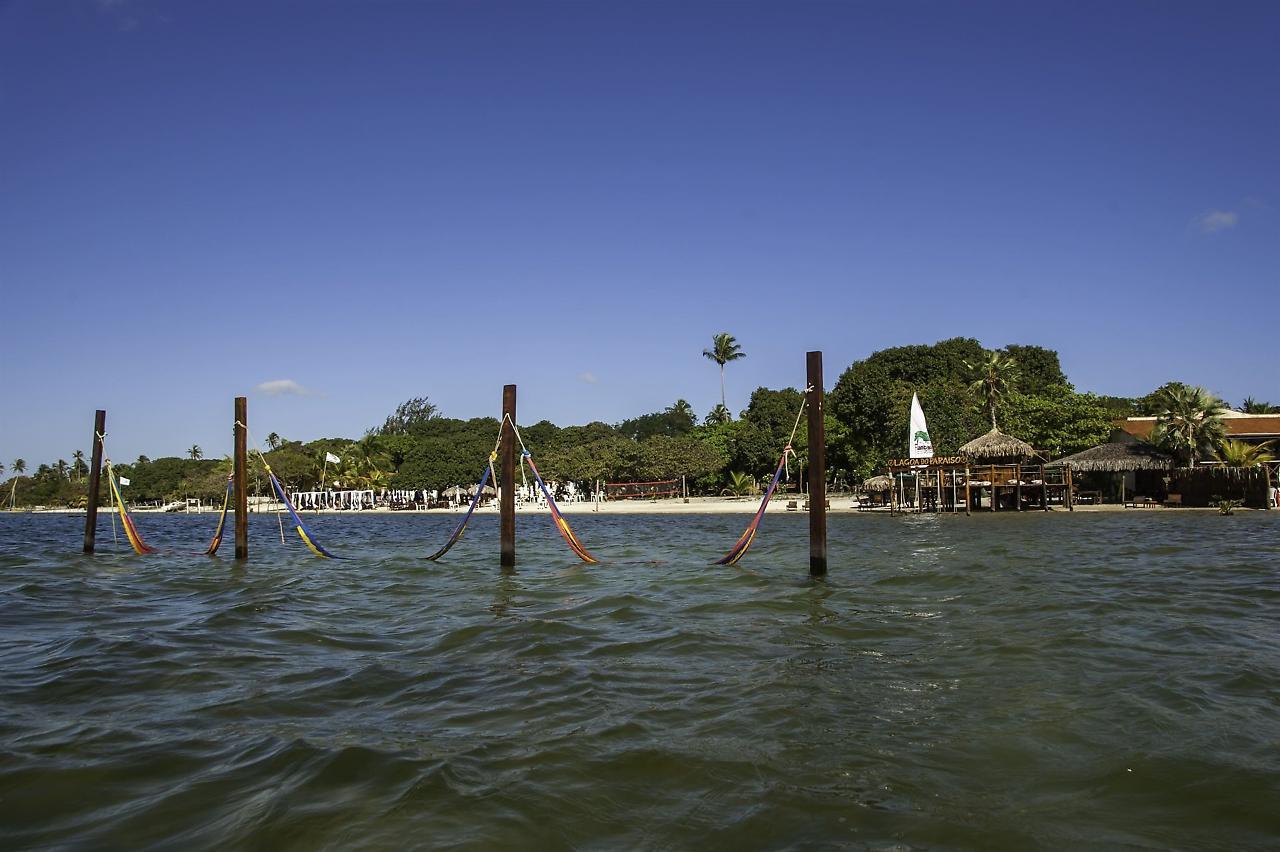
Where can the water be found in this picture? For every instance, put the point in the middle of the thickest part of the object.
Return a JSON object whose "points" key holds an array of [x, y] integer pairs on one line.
{"points": [[1060, 681]]}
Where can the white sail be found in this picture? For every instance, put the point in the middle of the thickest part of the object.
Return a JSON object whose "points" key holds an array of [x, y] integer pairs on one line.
{"points": [[918, 440]]}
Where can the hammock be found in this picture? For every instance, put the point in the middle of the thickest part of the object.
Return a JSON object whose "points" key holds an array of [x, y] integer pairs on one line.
{"points": [[305, 534], [749, 535], [131, 532], [462, 525], [740, 549], [561, 524], [222, 519]]}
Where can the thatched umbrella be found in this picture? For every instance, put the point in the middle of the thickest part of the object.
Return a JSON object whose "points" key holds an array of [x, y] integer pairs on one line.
{"points": [[1118, 457], [878, 483], [996, 446]]}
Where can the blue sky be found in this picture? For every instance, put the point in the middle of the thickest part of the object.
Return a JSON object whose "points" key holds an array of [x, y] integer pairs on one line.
{"points": [[374, 201]]}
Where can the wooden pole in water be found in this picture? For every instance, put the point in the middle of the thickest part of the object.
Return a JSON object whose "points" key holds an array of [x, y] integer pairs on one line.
{"points": [[967, 498], [507, 498], [242, 477], [817, 469], [95, 473]]}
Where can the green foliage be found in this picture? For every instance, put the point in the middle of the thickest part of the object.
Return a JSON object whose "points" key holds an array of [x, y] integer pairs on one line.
{"points": [[1243, 454], [1189, 421], [678, 419], [1038, 369], [1059, 420], [991, 379], [411, 417], [1254, 406]]}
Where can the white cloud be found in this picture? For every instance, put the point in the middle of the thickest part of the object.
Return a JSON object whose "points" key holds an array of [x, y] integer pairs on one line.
{"points": [[588, 377], [1217, 220], [282, 387]]}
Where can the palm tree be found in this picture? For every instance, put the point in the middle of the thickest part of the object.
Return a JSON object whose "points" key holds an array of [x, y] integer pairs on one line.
{"points": [[741, 484], [718, 416], [1190, 421], [195, 452], [1244, 454], [724, 348], [62, 468], [19, 468], [1253, 406], [274, 441], [77, 463], [992, 379]]}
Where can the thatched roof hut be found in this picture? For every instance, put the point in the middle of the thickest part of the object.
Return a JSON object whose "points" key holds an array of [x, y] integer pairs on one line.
{"points": [[1117, 457], [996, 446], [878, 483]]}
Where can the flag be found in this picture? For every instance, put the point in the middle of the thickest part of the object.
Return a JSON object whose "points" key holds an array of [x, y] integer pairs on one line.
{"points": [[124, 481], [918, 442], [332, 459]]}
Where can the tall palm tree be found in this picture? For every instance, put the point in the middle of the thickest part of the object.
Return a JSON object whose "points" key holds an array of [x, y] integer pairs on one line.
{"points": [[273, 441], [991, 380], [77, 463], [195, 452], [62, 468], [19, 468], [724, 348], [1190, 421], [717, 416]]}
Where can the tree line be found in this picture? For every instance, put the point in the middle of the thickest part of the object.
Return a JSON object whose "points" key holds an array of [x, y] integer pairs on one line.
{"points": [[964, 389]]}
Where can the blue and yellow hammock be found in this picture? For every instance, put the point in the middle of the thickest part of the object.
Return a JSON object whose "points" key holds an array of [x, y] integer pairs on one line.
{"points": [[305, 534], [462, 525]]}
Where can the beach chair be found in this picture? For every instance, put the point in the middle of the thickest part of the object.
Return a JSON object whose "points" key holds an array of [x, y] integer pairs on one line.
{"points": [[1173, 501]]}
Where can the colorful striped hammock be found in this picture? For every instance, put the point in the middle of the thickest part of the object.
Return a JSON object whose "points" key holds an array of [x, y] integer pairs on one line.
{"points": [[131, 532], [561, 524], [744, 543]]}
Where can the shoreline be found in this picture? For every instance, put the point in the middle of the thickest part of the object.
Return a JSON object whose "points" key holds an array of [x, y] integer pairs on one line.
{"points": [[695, 506]]}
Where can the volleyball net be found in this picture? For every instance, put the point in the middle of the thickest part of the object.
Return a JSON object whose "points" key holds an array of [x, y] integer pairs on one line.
{"points": [[642, 490]]}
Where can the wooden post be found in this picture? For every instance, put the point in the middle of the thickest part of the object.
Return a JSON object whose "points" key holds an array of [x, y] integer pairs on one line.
{"points": [[967, 499], [95, 474], [817, 469], [1067, 491], [1017, 472], [1044, 488], [242, 477], [937, 498], [993, 487], [1266, 473], [507, 497]]}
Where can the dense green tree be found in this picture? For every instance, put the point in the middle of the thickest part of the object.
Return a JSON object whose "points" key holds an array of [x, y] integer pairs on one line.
{"points": [[724, 348], [195, 452], [78, 467], [1038, 369], [677, 419], [1058, 420], [411, 417]]}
